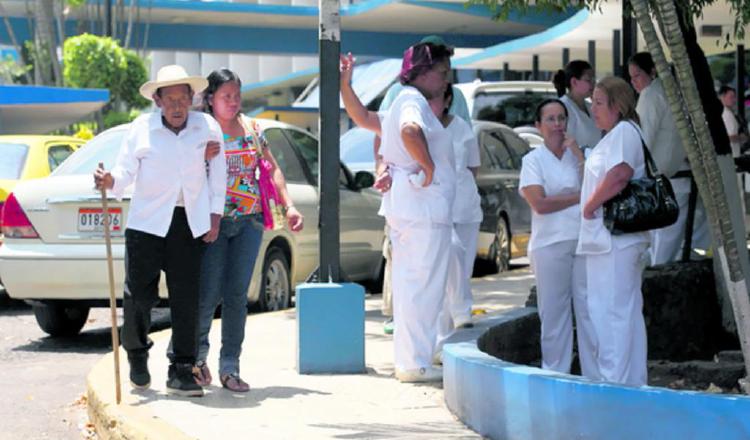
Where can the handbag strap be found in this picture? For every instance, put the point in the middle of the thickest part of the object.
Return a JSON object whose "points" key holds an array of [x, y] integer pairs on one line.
{"points": [[651, 169], [254, 131]]}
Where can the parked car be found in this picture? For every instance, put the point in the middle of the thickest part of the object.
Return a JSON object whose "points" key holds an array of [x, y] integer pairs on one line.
{"points": [[54, 254], [512, 103], [506, 228], [531, 135]]}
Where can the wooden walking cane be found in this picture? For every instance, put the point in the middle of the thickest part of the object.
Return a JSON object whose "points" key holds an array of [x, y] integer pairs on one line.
{"points": [[112, 301]]}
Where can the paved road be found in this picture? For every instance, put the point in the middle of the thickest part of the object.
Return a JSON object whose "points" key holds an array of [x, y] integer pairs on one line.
{"points": [[43, 379]]}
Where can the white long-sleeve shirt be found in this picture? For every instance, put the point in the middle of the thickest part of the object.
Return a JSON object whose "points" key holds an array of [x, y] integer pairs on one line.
{"points": [[166, 167], [659, 130]]}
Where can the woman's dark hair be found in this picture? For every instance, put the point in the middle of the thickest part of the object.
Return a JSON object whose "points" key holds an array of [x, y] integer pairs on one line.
{"points": [[447, 97], [545, 103], [216, 79], [420, 58], [574, 69], [724, 89], [643, 61]]}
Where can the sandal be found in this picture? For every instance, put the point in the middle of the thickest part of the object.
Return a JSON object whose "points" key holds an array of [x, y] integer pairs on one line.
{"points": [[232, 382], [202, 374]]}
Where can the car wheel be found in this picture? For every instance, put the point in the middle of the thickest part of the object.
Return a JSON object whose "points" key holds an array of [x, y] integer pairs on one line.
{"points": [[500, 252], [58, 320], [275, 287]]}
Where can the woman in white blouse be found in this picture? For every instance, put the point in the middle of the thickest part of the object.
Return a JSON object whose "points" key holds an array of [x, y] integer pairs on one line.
{"points": [[614, 262], [574, 85], [551, 184], [418, 204]]}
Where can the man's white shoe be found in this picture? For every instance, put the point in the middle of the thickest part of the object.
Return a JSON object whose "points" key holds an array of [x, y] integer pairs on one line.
{"points": [[429, 374]]}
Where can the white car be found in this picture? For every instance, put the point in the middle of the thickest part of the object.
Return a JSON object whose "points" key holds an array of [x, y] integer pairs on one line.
{"points": [[54, 254], [512, 103]]}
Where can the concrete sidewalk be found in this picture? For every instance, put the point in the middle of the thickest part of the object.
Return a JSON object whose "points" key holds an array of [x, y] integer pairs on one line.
{"points": [[283, 404]]}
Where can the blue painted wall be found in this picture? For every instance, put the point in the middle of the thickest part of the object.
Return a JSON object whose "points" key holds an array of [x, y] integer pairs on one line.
{"points": [[501, 400]]}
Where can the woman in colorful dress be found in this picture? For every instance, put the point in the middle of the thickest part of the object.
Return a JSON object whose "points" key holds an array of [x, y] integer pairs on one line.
{"points": [[229, 261]]}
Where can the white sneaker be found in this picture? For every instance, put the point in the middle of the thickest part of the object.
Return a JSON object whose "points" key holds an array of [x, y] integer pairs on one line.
{"points": [[429, 374]]}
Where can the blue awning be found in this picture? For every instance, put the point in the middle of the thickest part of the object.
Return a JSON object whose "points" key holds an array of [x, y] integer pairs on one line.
{"points": [[41, 109], [368, 81]]}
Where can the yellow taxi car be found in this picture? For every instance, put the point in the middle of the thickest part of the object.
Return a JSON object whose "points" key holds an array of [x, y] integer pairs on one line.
{"points": [[31, 156]]}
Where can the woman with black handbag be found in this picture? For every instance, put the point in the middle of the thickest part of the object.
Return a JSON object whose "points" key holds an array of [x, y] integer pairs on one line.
{"points": [[614, 263]]}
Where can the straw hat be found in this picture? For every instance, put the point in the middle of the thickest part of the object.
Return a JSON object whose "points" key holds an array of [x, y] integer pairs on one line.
{"points": [[172, 75]]}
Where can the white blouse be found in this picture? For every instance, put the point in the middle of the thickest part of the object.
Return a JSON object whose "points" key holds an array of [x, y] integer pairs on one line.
{"points": [[621, 145], [407, 200], [555, 176], [580, 124], [467, 203]]}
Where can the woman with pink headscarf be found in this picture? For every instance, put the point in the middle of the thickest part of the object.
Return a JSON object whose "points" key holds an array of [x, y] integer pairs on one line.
{"points": [[417, 204]]}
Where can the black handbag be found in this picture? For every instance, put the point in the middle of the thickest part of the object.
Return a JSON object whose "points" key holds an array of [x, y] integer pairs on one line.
{"points": [[644, 204]]}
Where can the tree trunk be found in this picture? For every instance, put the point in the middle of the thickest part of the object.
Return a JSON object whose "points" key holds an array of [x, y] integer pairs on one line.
{"points": [[44, 41], [703, 159]]}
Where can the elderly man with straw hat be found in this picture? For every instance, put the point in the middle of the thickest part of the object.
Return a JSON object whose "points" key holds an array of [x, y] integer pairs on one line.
{"points": [[175, 209]]}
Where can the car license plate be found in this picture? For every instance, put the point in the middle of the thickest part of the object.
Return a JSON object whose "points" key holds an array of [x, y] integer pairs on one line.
{"points": [[92, 220]]}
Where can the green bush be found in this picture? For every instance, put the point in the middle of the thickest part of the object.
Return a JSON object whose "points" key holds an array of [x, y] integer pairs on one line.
{"points": [[114, 118]]}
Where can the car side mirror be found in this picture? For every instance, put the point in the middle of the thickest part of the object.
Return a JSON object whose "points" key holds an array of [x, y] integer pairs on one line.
{"points": [[363, 179]]}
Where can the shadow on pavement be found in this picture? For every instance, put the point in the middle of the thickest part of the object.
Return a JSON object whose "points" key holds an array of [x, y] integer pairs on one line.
{"points": [[382, 431]]}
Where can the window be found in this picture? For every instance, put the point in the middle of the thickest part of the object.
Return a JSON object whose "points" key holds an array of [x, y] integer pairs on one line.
{"points": [[12, 160], [510, 108], [307, 146], [284, 155], [500, 157], [518, 147], [56, 154]]}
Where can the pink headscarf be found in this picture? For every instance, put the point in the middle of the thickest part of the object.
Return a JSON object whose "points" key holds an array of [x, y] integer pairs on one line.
{"points": [[417, 60]]}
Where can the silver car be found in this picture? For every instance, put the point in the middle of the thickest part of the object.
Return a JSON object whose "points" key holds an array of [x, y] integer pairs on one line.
{"points": [[54, 255]]}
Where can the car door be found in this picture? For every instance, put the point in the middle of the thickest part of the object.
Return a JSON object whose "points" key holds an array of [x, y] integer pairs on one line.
{"points": [[520, 210], [358, 224], [305, 198], [501, 182]]}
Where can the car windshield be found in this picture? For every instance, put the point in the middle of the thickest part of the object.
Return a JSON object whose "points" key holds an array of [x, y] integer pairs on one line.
{"points": [[356, 146], [13, 159], [103, 148], [510, 108]]}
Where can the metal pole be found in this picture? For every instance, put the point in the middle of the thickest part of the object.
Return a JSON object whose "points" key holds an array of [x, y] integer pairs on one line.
{"points": [[629, 37], [740, 70], [506, 71], [592, 54], [565, 56], [535, 68], [328, 150], [616, 54], [108, 18]]}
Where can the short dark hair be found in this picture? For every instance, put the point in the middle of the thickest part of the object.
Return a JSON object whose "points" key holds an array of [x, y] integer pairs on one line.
{"points": [[723, 90], [643, 61], [545, 103], [574, 69], [216, 79]]}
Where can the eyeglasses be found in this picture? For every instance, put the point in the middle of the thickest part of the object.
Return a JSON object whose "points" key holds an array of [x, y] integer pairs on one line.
{"points": [[553, 119]]}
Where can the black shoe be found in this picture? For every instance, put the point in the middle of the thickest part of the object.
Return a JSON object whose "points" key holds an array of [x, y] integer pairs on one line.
{"points": [[181, 381], [140, 378]]}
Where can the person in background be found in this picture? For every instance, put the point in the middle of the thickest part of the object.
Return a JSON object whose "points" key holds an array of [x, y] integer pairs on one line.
{"points": [[614, 262], [229, 261], [458, 107], [574, 85], [737, 133], [550, 181], [174, 210], [663, 141]]}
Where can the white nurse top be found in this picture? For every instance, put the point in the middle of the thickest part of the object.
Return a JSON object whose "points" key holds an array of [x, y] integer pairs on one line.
{"points": [[621, 144], [467, 203], [580, 124], [555, 176], [406, 200]]}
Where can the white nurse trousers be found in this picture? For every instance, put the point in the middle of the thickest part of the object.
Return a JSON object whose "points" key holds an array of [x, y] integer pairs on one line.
{"points": [[616, 308], [458, 290], [666, 243], [420, 252], [561, 289]]}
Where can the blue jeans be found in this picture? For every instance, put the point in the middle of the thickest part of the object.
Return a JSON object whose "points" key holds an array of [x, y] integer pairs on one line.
{"points": [[226, 270]]}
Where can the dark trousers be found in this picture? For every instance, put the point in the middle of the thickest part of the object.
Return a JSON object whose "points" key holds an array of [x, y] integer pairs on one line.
{"points": [[179, 256]]}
